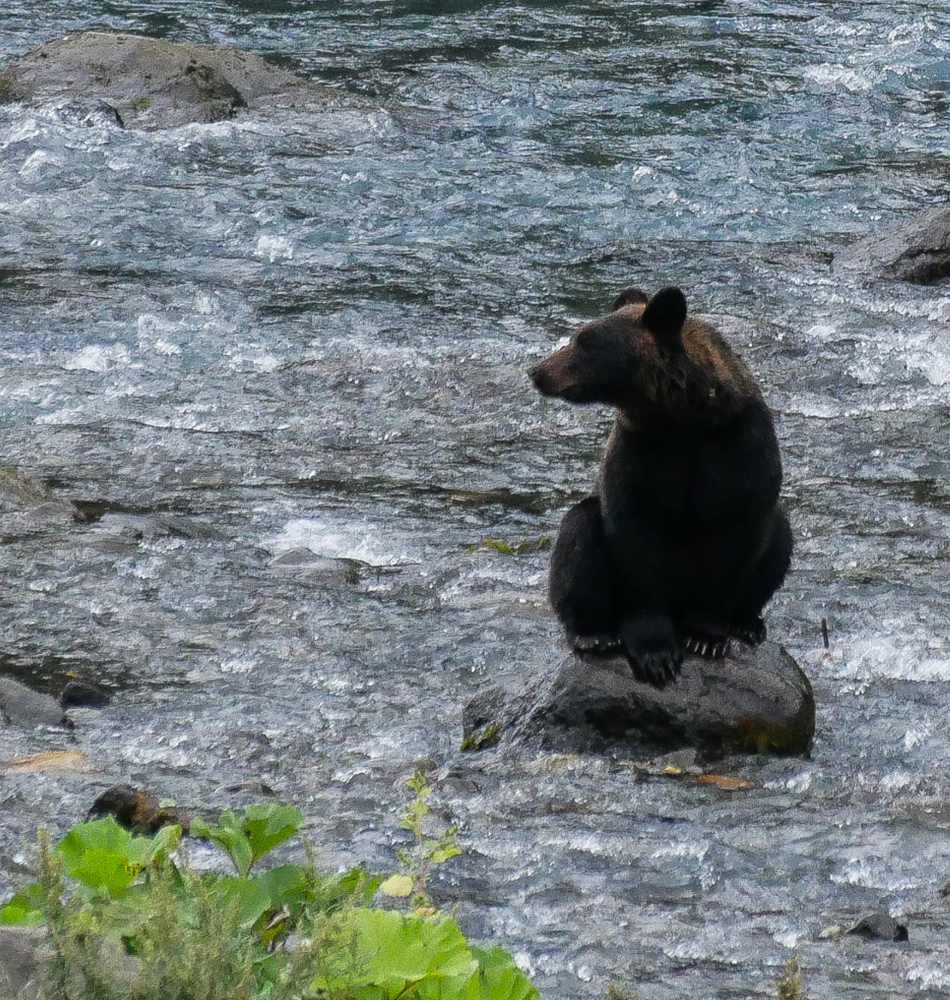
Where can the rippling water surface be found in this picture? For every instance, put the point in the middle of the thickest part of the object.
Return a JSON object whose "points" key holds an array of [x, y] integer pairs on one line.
{"points": [[279, 362]]}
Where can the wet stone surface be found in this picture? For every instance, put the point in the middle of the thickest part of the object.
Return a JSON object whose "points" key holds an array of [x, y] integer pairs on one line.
{"points": [[136, 81], [913, 249], [752, 700]]}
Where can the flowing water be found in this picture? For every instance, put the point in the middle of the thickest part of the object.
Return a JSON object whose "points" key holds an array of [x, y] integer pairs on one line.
{"points": [[279, 361]]}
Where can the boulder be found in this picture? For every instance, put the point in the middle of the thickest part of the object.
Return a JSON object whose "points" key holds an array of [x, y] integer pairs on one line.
{"points": [[22, 706], [136, 810], [915, 249], [879, 926], [151, 82], [753, 700]]}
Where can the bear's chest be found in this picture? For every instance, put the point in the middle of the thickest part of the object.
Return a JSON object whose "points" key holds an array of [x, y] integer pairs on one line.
{"points": [[680, 486]]}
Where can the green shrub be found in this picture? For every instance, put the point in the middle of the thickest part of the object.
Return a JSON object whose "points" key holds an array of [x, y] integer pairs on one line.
{"points": [[129, 919]]}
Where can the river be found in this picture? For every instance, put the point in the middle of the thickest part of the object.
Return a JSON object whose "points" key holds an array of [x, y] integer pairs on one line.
{"points": [[279, 362]]}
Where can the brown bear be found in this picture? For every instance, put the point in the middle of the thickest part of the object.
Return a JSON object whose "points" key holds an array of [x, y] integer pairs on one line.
{"points": [[683, 540]]}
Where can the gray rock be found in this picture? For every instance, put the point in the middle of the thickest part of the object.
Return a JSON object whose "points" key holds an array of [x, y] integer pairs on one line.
{"points": [[156, 525], [305, 561], [153, 83], [23, 952], [25, 958], [915, 249], [22, 706], [754, 700], [880, 926]]}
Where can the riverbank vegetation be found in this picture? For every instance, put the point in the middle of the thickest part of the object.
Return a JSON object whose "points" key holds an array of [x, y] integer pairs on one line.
{"points": [[129, 917]]}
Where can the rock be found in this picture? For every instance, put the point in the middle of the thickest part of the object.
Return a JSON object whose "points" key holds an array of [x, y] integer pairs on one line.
{"points": [[135, 810], [754, 700], [79, 694], [255, 788], [915, 249], [305, 561], [89, 112], [156, 525], [879, 926], [61, 761], [153, 83], [22, 706], [23, 952]]}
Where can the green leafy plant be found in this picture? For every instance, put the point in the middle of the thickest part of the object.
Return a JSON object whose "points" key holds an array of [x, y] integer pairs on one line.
{"points": [[427, 852], [247, 838], [129, 919]]}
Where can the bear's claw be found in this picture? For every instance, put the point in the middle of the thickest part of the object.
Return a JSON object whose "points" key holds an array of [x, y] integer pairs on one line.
{"points": [[709, 647], [601, 645], [656, 668]]}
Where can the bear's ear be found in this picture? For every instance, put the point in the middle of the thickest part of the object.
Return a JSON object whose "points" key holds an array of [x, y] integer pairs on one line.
{"points": [[628, 297], [665, 314]]}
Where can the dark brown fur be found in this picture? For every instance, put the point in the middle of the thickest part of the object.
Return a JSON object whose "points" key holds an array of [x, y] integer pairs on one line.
{"points": [[683, 540]]}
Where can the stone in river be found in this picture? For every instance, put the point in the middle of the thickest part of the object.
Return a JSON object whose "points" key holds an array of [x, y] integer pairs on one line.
{"points": [[755, 699], [154, 83]]}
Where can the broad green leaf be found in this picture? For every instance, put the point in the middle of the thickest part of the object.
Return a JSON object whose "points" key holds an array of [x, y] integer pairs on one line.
{"points": [[286, 885], [398, 954], [249, 900], [164, 842], [248, 837], [498, 978], [104, 855], [199, 828], [26, 907], [267, 826]]}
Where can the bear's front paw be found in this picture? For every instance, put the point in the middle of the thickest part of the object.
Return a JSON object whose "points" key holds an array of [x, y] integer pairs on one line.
{"points": [[657, 667], [751, 633]]}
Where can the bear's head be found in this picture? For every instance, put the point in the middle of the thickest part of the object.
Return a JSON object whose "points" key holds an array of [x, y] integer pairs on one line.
{"points": [[624, 359]]}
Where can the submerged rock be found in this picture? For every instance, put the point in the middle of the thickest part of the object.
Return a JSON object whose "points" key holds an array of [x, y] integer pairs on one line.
{"points": [[915, 249], [151, 82], [22, 706], [754, 699], [879, 926], [80, 694]]}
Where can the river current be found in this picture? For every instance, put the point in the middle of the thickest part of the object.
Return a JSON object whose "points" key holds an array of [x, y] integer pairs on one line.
{"points": [[279, 363]]}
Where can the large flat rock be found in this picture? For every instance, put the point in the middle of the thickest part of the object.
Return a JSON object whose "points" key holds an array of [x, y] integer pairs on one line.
{"points": [[915, 249], [151, 82], [754, 700]]}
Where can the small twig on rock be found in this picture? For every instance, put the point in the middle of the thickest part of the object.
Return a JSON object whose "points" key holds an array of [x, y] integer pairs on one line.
{"points": [[824, 633]]}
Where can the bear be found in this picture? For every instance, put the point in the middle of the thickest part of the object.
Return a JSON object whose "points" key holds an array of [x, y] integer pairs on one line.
{"points": [[684, 539]]}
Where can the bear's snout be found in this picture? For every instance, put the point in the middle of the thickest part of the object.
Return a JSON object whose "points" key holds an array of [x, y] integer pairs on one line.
{"points": [[537, 375], [551, 377]]}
